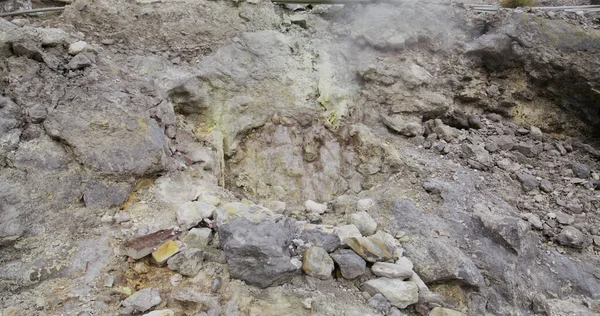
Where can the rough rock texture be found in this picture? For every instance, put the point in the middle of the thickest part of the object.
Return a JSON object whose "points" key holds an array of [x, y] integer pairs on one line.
{"points": [[317, 263], [351, 265]]}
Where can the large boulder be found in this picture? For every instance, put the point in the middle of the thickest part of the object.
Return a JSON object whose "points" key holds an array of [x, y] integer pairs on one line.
{"points": [[258, 253]]}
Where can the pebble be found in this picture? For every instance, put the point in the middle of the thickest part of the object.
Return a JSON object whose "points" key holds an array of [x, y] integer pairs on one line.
{"points": [[77, 47], [143, 300], [307, 303], [364, 222], [314, 207]]}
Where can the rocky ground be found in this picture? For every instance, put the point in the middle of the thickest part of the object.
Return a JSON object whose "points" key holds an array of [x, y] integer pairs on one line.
{"points": [[246, 158]]}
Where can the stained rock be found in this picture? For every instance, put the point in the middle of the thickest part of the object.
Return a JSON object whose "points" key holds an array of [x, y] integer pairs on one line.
{"points": [[364, 222], [390, 270], [192, 213], [165, 251], [258, 253], [441, 311], [317, 263], [399, 293], [347, 231], [187, 263], [142, 246], [351, 265], [328, 241], [380, 303], [198, 237], [143, 300], [373, 248]]}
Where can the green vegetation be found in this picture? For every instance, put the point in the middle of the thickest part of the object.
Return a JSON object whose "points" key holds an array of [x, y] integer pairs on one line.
{"points": [[516, 3]]}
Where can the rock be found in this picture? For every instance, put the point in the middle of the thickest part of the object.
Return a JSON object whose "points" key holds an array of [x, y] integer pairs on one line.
{"points": [[299, 19], [187, 263], [328, 241], [390, 270], [399, 293], [534, 220], [504, 142], [581, 170], [79, 61], [402, 126], [477, 156], [198, 238], [346, 231], [29, 50], [442, 130], [277, 207], [441, 311], [351, 265], [317, 263], [536, 133], [258, 253], [564, 219], [528, 150], [380, 303], [475, 122], [528, 182], [546, 186], [165, 251], [365, 205], [373, 248], [122, 217], [77, 47], [162, 312], [405, 263], [571, 237], [143, 300], [364, 222], [314, 207], [192, 213], [142, 246]]}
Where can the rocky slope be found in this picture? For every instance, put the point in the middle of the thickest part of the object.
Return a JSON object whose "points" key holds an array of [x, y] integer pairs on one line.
{"points": [[224, 158]]}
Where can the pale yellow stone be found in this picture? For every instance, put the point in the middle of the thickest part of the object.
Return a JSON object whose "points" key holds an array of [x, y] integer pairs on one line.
{"points": [[165, 251]]}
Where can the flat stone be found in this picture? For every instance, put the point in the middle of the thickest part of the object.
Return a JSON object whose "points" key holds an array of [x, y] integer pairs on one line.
{"points": [[441, 311], [380, 303], [390, 270], [564, 218], [188, 262], [77, 47], [351, 265], [162, 312], [364, 222], [399, 293], [317, 263], [328, 241], [191, 213], [143, 300], [401, 126], [534, 220], [165, 251], [79, 61], [528, 182], [373, 248], [142, 246], [405, 263], [314, 207], [347, 231], [546, 186], [198, 237]]}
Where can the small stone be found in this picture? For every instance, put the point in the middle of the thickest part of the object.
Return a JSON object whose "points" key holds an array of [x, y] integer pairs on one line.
{"points": [[210, 199], [79, 61], [314, 207], [122, 217], [528, 182], [373, 248], [143, 300], [405, 263], [380, 303], [107, 219], [176, 279], [162, 312], [546, 186], [347, 231], [198, 238], [299, 19], [402, 126], [77, 47], [188, 262], [317, 263], [365, 205], [165, 251], [40, 303], [142, 246], [107, 41], [528, 150], [278, 207], [596, 240], [564, 219], [536, 133], [571, 237], [351, 265], [534, 220], [191, 214], [364, 222], [399, 293], [328, 241], [307, 303], [109, 281], [441, 311], [390, 270], [581, 170]]}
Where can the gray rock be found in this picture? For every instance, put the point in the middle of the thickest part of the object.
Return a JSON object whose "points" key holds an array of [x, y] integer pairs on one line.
{"points": [[317, 263], [347, 231], [192, 213], [442, 130], [399, 293], [477, 156], [390, 270], [143, 300], [99, 194], [30, 50], [329, 242], [198, 238], [581, 170], [378, 247], [380, 303], [77, 47], [536, 133], [299, 19], [528, 150], [441, 311], [534, 220], [572, 237], [364, 222], [504, 142], [546, 186], [278, 207], [314, 207], [11, 226], [188, 262], [365, 205], [564, 219], [351, 265], [79, 61], [258, 253], [528, 182], [402, 126]]}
